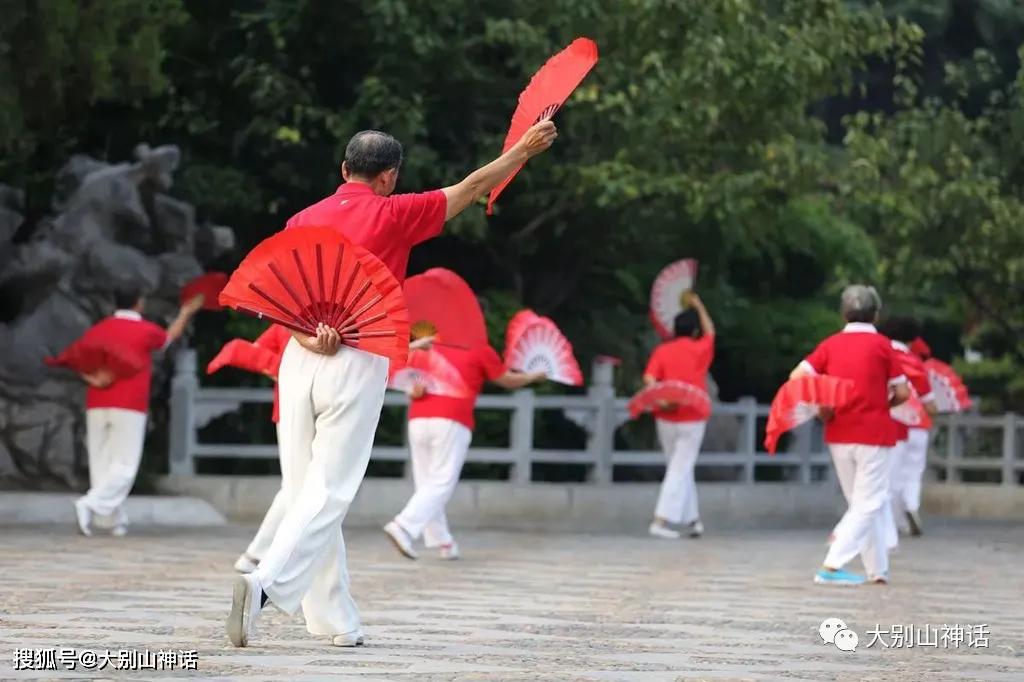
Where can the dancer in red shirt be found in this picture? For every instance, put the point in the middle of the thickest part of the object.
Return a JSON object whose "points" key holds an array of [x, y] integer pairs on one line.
{"points": [[860, 435], [115, 410], [440, 431], [687, 358]]}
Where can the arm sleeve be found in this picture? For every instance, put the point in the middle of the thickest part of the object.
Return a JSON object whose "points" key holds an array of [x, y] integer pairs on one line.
{"points": [[420, 215], [817, 361], [156, 337], [707, 351], [919, 380], [895, 370], [491, 363], [655, 366]]}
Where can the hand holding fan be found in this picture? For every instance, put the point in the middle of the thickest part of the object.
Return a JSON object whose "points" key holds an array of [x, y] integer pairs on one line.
{"points": [[442, 305], [670, 288], [88, 356], [911, 413], [541, 347], [431, 370], [306, 276], [693, 402], [948, 388], [548, 90], [800, 400], [208, 286]]}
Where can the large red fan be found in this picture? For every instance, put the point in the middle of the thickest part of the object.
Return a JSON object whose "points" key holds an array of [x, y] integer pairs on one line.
{"points": [[431, 370], [800, 400], [691, 401], [442, 304], [208, 286], [549, 88], [947, 387], [668, 294], [306, 276], [247, 356], [87, 356], [541, 347]]}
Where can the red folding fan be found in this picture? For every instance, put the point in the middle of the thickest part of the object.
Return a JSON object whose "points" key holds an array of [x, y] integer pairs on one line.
{"points": [[668, 292], [799, 401], [921, 349], [541, 347], [548, 90], [306, 276], [209, 286], [947, 387], [518, 324], [245, 355], [87, 356], [912, 413], [442, 304], [678, 396], [431, 370]]}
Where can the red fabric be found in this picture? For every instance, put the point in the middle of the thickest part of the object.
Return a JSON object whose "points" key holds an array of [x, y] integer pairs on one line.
{"points": [[917, 376], [921, 349], [431, 370], [315, 275], [866, 358], [800, 400], [387, 227], [141, 337], [682, 359], [209, 285], [691, 402], [274, 339], [476, 366], [88, 357], [440, 299]]}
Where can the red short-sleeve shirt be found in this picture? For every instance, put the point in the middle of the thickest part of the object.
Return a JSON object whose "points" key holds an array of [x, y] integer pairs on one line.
{"points": [[387, 227], [682, 359], [476, 366], [866, 357], [140, 336], [917, 375]]}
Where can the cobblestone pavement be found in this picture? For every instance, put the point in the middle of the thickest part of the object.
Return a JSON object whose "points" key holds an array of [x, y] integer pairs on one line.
{"points": [[739, 605]]}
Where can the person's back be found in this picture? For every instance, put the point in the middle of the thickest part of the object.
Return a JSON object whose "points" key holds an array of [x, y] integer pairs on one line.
{"points": [[138, 337], [476, 366]]}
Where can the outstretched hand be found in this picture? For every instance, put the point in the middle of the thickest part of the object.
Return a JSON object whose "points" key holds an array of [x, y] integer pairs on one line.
{"points": [[538, 138]]}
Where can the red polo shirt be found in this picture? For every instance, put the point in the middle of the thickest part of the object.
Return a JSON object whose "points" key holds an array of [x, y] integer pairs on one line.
{"points": [[138, 336], [682, 359], [917, 375], [866, 357], [476, 366], [387, 227]]}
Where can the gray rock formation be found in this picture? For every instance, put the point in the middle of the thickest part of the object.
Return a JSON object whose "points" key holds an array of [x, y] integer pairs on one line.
{"points": [[112, 225]]}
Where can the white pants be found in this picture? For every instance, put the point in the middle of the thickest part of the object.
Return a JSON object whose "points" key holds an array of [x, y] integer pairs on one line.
{"points": [[906, 490], [330, 406], [260, 544], [114, 439], [677, 501], [863, 472], [438, 448], [892, 515]]}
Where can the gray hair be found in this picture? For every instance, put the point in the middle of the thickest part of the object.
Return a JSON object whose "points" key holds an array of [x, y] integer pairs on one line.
{"points": [[860, 303]]}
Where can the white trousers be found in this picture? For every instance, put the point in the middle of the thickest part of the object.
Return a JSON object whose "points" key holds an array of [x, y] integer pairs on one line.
{"points": [[677, 501], [330, 406], [906, 488], [438, 449], [114, 439], [260, 544], [892, 515], [863, 472]]}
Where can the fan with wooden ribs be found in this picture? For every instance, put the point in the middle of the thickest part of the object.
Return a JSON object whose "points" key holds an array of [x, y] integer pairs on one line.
{"points": [[688, 400], [669, 292], [800, 400], [535, 344], [303, 277], [430, 369]]}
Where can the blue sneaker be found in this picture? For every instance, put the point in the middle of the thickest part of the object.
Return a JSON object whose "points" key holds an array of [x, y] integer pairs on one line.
{"points": [[823, 577]]}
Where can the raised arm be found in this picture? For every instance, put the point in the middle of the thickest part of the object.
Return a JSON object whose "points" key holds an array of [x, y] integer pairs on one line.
{"points": [[187, 311], [483, 180], [707, 325]]}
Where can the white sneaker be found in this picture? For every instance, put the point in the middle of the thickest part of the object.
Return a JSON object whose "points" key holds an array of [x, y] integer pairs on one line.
{"points": [[119, 531], [245, 608], [450, 552], [696, 529], [660, 531], [348, 639], [245, 563], [400, 539], [84, 516]]}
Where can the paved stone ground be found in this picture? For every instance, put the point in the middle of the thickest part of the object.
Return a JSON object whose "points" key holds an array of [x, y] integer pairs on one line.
{"points": [[739, 605]]}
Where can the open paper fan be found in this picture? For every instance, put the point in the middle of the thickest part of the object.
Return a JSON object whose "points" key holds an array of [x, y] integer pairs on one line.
{"points": [[90, 355], [306, 276], [911, 413], [245, 355], [692, 401], [541, 347], [947, 386], [518, 324], [667, 294], [799, 400], [209, 285], [442, 304], [548, 90], [431, 370]]}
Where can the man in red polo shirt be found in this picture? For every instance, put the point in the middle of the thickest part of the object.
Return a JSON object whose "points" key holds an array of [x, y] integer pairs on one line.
{"points": [[440, 430], [687, 358], [860, 435], [331, 396], [115, 411]]}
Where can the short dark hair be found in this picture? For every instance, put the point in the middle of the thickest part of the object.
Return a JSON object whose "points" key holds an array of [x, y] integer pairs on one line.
{"points": [[371, 152], [686, 323], [900, 328], [127, 297]]}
